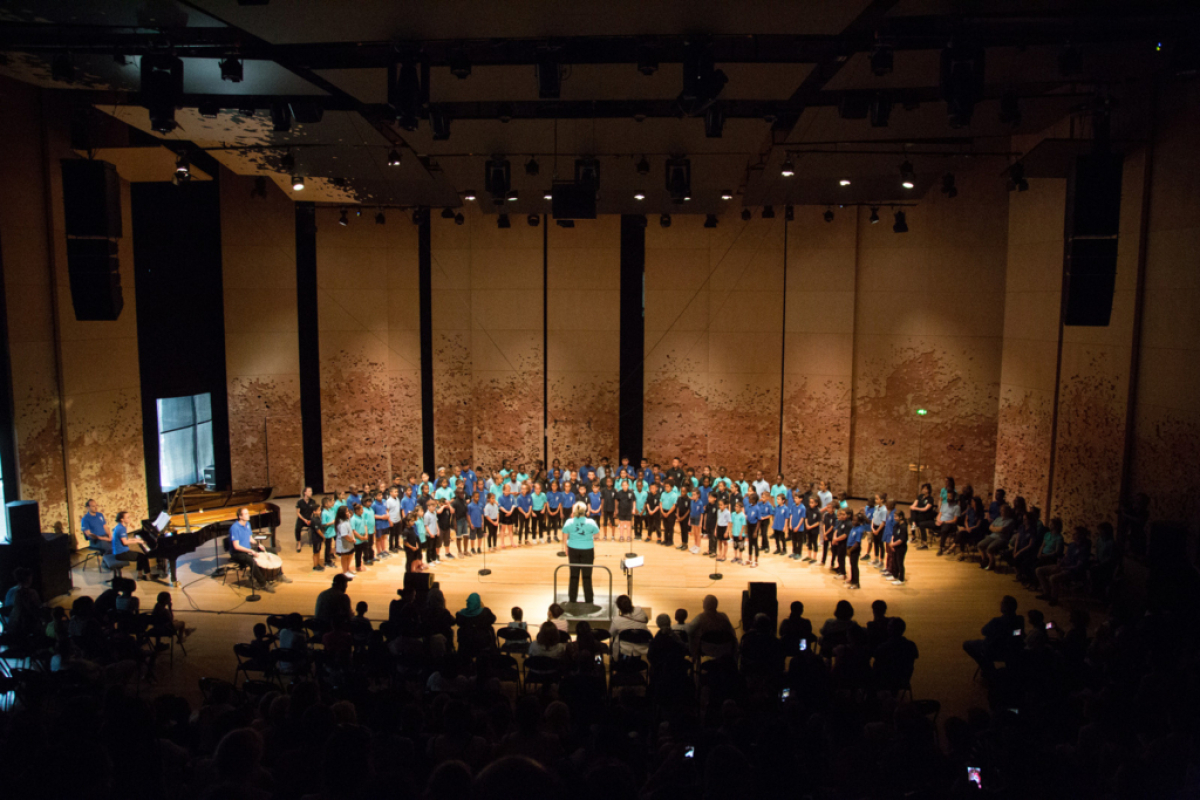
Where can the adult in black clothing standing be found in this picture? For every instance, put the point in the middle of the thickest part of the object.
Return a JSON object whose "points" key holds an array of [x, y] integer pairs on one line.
{"points": [[306, 507]]}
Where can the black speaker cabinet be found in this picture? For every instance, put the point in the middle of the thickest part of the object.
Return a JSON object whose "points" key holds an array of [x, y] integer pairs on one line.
{"points": [[1093, 218], [421, 582], [24, 521], [95, 274], [573, 200], [91, 198], [760, 598]]}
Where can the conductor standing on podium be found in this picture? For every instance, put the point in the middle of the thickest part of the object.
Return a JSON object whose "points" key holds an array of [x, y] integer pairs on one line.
{"points": [[581, 533]]}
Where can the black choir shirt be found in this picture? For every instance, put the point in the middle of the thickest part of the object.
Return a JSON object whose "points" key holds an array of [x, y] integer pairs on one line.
{"points": [[460, 508], [306, 508], [608, 500], [653, 503], [625, 502]]}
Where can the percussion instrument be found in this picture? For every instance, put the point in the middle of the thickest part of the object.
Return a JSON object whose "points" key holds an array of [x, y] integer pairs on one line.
{"points": [[270, 564]]}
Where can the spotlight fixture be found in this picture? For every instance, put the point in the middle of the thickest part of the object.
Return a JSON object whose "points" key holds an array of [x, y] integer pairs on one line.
{"points": [[726, 194], [1016, 178], [447, 213], [380, 218], [548, 195], [183, 170], [497, 178], [260, 187], [460, 64], [901, 224], [532, 167], [358, 211], [161, 89], [647, 62], [533, 220], [948, 187], [297, 183], [789, 213], [788, 169], [908, 178], [643, 167], [714, 122], [469, 194], [679, 180], [459, 219], [232, 70], [882, 60], [768, 212], [874, 215], [502, 221], [844, 182], [287, 162], [828, 215], [710, 220], [343, 220], [961, 81], [587, 173], [404, 93], [512, 196], [565, 223], [281, 117], [639, 195], [746, 215], [665, 220], [420, 215], [393, 158]]}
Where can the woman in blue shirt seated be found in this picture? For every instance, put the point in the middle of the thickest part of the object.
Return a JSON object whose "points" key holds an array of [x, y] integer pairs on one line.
{"points": [[127, 547]]}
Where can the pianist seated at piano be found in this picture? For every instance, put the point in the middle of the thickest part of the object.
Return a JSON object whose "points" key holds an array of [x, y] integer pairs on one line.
{"points": [[128, 547], [242, 548]]}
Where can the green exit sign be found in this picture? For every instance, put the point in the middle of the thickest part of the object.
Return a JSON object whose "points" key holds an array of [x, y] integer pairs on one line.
{"points": [[921, 412]]}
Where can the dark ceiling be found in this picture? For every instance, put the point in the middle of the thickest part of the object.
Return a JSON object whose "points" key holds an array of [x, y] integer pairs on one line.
{"points": [[799, 76]]}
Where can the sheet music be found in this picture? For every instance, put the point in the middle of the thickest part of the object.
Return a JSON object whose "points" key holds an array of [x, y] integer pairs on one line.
{"points": [[161, 521]]}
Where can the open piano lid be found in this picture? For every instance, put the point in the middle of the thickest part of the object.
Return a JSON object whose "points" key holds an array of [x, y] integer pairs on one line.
{"points": [[198, 497]]}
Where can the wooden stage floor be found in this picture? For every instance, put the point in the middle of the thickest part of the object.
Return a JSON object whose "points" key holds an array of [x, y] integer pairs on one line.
{"points": [[944, 601]]}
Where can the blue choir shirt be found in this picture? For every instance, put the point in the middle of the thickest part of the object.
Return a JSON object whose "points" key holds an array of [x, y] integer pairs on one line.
{"points": [[93, 524], [117, 547], [594, 504], [475, 514], [524, 502], [798, 514], [780, 515], [382, 522], [855, 536], [240, 533]]}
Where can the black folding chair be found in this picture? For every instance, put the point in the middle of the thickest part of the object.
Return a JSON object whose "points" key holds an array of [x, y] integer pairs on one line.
{"points": [[542, 670], [516, 641]]}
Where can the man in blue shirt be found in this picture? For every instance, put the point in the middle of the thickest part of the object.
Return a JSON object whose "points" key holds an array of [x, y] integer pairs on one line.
{"points": [[581, 534], [242, 548], [95, 528]]}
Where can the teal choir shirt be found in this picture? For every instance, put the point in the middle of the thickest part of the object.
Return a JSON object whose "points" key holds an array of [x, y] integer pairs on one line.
{"points": [[669, 499], [581, 533], [640, 498], [736, 523], [539, 501]]}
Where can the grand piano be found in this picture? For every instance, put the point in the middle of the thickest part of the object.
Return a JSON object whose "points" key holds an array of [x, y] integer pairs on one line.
{"points": [[200, 515]]}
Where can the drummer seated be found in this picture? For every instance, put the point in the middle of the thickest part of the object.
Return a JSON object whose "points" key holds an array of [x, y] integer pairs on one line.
{"points": [[242, 548]]}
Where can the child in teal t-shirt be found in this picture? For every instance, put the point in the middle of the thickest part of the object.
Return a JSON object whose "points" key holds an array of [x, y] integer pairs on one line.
{"points": [[737, 531]]}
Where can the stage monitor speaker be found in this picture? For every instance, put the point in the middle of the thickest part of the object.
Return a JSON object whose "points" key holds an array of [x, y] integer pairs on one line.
{"points": [[24, 521], [760, 598], [573, 200], [91, 198], [95, 275], [1093, 222]]}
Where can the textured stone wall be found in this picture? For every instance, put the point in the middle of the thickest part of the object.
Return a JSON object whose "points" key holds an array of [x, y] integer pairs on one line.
{"points": [[822, 260], [370, 370], [1166, 461], [24, 247], [262, 359], [1094, 384], [1033, 296], [101, 385], [928, 325], [584, 340], [487, 340]]}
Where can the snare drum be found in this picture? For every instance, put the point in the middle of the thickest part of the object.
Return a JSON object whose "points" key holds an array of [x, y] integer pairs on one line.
{"points": [[270, 564]]}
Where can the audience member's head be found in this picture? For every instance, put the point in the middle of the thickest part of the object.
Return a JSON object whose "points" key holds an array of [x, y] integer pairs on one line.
{"points": [[624, 604], [681, 615], [663, 621], [843, 610]]}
